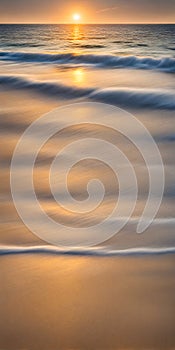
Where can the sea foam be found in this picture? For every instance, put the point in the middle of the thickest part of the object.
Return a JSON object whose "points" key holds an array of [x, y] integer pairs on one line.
{"points": [[53, 250]]}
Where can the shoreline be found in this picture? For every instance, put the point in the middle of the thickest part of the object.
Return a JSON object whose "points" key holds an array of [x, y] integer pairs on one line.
{"points": [[94, 252]]}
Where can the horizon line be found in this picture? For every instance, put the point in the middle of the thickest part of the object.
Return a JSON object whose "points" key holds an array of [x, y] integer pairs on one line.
{"points": [[93, 23]]}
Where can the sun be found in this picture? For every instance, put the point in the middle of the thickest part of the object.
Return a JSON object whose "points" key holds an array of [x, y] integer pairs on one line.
{"points": [[76, 17]]}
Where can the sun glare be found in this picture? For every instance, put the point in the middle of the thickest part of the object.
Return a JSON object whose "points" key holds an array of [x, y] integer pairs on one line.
{"points": [[76, 17]]}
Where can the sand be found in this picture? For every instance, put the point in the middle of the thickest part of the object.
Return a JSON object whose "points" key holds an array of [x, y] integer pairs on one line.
{"points": [[87, 303]]}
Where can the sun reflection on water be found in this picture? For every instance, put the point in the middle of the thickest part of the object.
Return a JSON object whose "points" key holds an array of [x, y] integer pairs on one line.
{"points": [[76, 33]]}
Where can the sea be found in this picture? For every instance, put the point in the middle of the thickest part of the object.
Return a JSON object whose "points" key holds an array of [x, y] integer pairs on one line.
{"points": [[130, 67]]}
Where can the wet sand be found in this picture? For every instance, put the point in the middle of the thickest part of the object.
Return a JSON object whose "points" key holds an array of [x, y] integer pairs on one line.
{"points": [[87, 303]]}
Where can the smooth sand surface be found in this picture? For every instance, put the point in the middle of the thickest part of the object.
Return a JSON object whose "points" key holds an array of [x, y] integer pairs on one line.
{"points": [[87, 303]]}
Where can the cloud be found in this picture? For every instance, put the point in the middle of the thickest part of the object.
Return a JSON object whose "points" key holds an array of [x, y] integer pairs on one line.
{"points": [[107, 9]]}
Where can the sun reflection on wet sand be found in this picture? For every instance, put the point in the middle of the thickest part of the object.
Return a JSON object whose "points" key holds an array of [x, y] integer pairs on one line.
{"points": [[78, 76]]}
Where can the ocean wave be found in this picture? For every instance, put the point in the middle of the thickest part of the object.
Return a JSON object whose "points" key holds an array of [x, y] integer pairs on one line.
{"points": [[90, 46], [166, 64], [124, 97], [53, 250], [136, 98], [47, 88], [26, 44]]}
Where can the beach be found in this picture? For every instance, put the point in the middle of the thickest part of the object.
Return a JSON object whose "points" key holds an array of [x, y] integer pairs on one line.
{"points": [[118, 294]]}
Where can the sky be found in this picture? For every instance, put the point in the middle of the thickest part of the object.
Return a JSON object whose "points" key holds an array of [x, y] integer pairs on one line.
{"points": [[91, 11]]}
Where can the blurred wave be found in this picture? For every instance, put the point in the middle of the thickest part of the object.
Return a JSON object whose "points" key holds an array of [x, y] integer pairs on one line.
{"points": [[132, 97], [53, 250], [165, 64]]}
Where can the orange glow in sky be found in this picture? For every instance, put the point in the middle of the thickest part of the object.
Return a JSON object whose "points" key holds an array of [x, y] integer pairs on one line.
{"points": [[91, 11]]}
